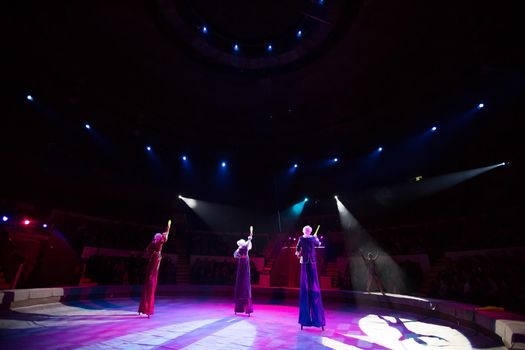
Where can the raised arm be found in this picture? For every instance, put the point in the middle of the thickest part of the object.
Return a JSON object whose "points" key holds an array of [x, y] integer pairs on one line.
{"points": [[250, 238], [249, 243], [167, 232], [362, 255]]}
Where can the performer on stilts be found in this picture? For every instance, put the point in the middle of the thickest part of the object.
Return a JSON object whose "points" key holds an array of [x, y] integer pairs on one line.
{"points": [[147, 299], [243, 288], [311, 311]]}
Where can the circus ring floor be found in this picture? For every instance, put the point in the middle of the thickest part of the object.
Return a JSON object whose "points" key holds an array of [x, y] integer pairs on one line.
{"points": [[207, 321]]}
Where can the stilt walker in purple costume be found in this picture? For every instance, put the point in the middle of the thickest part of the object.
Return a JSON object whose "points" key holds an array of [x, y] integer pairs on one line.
{"points": [[311, 311], [243, 287]]}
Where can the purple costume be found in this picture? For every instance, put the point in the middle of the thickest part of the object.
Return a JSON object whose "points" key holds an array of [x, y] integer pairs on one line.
{"points": [[243, 288], [311, 311]]}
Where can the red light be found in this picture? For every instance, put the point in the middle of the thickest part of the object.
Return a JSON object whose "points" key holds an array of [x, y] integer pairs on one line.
{"points": [[27, 222]]}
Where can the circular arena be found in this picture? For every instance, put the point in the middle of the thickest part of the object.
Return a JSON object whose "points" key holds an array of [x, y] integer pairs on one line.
{"points": [[300, 174], [189, 317]]}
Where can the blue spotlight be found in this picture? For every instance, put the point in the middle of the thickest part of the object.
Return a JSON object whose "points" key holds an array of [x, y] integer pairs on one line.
{"points": [[299, 34], [204, 30], [269, 48], [481, 105], [223, 164], [380, 149], [87, 126], [297, 209], [434, 128], [321, 2], [29, 98], [4, 218], [295, 165], [306, 199], [184, 158], [148, 148], [335, 160], [236, 48]]}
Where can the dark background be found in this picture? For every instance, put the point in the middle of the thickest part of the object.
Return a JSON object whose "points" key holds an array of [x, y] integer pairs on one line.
{"points": [[384, 75]]}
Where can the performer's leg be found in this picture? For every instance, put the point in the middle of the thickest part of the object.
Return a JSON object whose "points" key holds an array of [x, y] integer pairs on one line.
{"points": [[368, 283], [316, 307], [379, 284], [304, 297]]}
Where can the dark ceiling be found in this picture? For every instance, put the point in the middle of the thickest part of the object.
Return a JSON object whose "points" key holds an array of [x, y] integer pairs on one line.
{"points": [[384, 73]]}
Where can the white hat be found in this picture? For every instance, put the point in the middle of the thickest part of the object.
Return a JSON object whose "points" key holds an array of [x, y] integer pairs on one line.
{"points": [[241, 242]]}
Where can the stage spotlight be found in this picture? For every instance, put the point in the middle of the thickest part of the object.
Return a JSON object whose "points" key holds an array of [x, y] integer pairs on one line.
{"points": [[4, 218], [321, 2], [295, 165], [148, 148], [335, 160], [26, 222], [269, 48], [44, 225], [236, 48], [380, 149], [336, 198], [299, 33], [29, 98], [223, 164], [434, 128], [204, 30], [190, 202], [306, 199], [481, 105], [184, 158], [87, 126]]}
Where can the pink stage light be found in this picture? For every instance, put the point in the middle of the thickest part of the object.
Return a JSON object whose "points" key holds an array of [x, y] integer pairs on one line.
{"points": [[27, 222]]}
